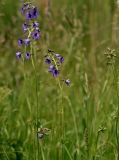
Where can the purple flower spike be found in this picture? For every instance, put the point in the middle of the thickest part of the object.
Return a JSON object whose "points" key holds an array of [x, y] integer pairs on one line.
{"points": [[18, 55], [25, 27], [28, 55], [48, 60], [27, 42], [35, 24], [35, 35], [67, 81]]}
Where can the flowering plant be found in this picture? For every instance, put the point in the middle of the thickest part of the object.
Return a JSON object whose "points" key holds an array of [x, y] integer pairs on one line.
{"points": [[53, 61], [31, 28]]}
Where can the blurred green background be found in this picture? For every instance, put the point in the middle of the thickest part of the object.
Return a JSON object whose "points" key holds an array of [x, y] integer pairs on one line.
{"points": [[80, 30]]}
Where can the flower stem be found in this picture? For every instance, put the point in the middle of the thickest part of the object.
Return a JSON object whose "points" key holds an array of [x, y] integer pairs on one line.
{"points": [[37, 101], [62, 116]]}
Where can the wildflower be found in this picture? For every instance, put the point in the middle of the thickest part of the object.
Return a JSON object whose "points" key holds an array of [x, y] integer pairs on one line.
{"points": [[25, 7], [35, 24], [35, 35], [57, 55], [18, 55], [48, 60], [28, 55], [67, 81], [34, 12], [37, 29], [53, 70], [30, 26], [27, 42], [51, 67], [55, 61], [25, 27], [29, 15], [60, 58], [20, 42]]}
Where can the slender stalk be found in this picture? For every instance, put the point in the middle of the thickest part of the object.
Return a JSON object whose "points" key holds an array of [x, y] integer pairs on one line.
{"points": [[68, 153], [5, 154], [62, 114], [37, 97], [42, 153], [97, 138], [34, 130], [117, 118], [74, 118], [23, 59]]}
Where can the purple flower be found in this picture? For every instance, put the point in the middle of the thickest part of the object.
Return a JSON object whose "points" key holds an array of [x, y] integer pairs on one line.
{"points": [[53, 70], [32, 13], [25, 7], [67, 81], [37, 29], [48, 60], [51, 67], [28, 55], [35, 35], [18, 55], [60, 58], [20, 42], [57, 55], [29, 15], [27, 42], [35, 12], [35, 24], [25, 27]]}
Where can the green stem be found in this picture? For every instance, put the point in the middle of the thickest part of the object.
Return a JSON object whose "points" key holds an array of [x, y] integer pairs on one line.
{"points": [[94, 157], [117, 118], [68, 153], [5, 154], [62, 113], [42, 153], [37, 101]]}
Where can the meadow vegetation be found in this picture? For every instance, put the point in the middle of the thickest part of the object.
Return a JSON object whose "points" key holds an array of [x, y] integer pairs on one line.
{"points": [[82, 118]]}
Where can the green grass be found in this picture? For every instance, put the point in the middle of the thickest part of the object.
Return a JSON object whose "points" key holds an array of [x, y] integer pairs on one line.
{"points": [[83, 118]]}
